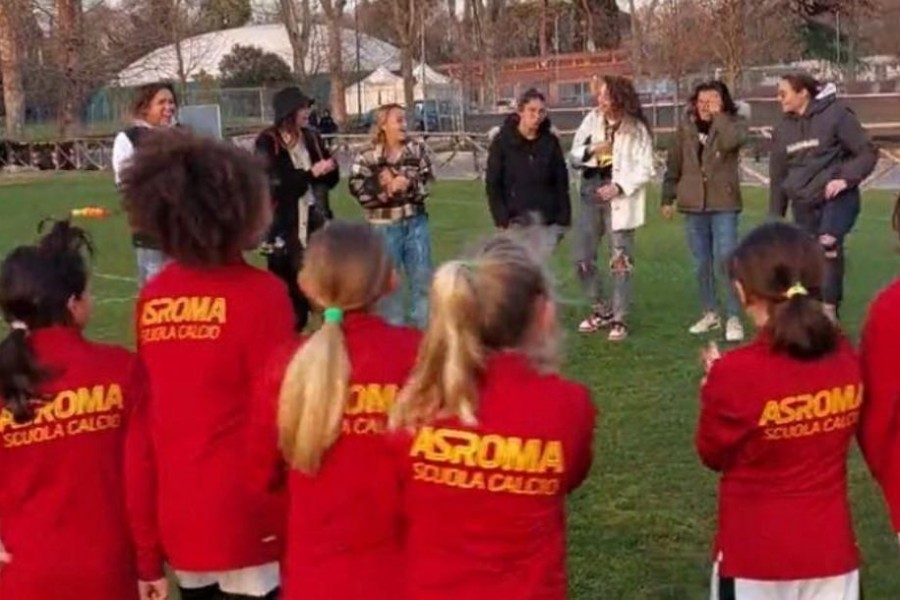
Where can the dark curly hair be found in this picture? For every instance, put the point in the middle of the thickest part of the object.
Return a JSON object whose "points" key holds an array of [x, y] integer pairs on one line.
{"points": [[728, 105], [205, 201], [37, 281], [625, 98]]}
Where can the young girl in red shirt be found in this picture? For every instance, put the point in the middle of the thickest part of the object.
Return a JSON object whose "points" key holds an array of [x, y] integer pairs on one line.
{"points": [[68, 410], [496, 439], [777, 419], [324, 404], [205, 325], [880, 423]]}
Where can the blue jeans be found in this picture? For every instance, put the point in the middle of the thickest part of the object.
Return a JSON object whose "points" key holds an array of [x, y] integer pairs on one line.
{"points": [[149, 263], [712, 237], [593, 223], [409, 246]]}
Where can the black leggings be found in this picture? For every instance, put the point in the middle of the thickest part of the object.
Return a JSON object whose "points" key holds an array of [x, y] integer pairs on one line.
{"points": [[286, 267], [213, 592]]}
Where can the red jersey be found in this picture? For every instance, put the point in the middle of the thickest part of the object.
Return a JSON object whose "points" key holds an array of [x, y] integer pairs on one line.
{"points": [[63, 514], [344, 525], [204, 335], [779, 430], [880, 423], [485, 504]]}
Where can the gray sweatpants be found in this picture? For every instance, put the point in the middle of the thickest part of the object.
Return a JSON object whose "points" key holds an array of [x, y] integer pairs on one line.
{"points": [[594, 221]]}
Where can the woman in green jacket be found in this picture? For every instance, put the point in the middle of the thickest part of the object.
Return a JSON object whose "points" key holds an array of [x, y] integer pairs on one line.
{"points": [[703, 180]]}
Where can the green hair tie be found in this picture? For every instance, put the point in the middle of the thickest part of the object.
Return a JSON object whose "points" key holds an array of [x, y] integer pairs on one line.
{"points": [[334, 315]]}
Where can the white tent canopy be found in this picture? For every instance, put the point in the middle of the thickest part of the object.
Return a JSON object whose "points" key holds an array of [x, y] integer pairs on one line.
{"points": [[203, 53]]}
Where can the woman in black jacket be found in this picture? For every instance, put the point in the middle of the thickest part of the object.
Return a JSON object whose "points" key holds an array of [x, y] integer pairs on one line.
{"points": [[298, 162], [527, 175]]}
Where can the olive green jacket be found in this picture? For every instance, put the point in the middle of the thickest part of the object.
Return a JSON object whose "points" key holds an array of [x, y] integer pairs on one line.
{"points": [[713, 185]]}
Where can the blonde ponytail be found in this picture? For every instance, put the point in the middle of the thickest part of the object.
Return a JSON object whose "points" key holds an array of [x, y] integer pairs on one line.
{"points": [[451, 356], [478, 306], [345, 269], [312, 399]]}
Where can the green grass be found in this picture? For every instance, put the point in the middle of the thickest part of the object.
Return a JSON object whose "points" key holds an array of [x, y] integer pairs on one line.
{"points": [[641, 527]]}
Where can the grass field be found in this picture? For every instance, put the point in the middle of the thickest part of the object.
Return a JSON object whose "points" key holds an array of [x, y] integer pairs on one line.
{"points": [[641, 527]]}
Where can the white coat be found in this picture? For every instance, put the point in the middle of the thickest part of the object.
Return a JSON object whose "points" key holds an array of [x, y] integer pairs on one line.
{"points": [[632, 169]]}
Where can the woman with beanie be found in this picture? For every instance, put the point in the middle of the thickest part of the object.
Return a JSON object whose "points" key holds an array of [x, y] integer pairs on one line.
{"points": [[298, 161]]}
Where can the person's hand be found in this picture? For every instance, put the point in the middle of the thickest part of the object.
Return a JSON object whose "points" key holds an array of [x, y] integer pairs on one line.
{"points": [[668, 211], [5, 557], [153, 590], [384, 179], [399, 185], [607, 192], [709, 355], [834, 188], [601, 148], [321, 167]]}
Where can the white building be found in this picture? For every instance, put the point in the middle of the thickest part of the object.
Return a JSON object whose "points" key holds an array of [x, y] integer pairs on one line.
{"points": [[385, 86]]}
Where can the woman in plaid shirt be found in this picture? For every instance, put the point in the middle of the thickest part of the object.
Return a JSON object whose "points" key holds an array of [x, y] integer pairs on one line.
{"points": [[390, 180]]}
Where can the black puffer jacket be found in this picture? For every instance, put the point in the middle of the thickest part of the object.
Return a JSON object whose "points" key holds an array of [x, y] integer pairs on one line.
{"points": [[527, 176], [827, 142]]}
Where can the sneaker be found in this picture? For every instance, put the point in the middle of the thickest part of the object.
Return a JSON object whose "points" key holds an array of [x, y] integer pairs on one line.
{"points": [[595, 322], [709, 322], [618, 332], [734, 330]]}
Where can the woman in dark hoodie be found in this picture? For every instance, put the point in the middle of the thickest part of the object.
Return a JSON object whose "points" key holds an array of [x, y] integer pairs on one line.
{"points": [[820, 156], [298, 163], [527, 176]]}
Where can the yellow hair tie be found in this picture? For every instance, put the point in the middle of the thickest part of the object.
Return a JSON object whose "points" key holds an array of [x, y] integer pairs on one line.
{"points": [[796, 290]]}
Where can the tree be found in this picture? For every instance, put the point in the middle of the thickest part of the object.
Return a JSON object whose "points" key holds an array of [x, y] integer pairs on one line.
{"points": [[299, 29], [673, 47], [11, 67], [748, 32], [334, 12], [216, 15], [408, 20], [249, 66], [486, 17], [69, 46]]}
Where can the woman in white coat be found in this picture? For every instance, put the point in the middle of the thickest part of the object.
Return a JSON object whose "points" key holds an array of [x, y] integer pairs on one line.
{"points": [[613, 149]]}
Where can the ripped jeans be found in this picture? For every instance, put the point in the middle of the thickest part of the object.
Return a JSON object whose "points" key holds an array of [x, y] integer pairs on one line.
{"points": [[830, 223], [594, 221]]}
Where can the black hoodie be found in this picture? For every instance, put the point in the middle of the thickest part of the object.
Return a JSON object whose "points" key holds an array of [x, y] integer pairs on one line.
{"points": [[527, 176], [826, 142]]}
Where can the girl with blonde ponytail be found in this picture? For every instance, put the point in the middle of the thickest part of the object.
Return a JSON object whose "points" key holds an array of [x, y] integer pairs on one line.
{"points": [[493, 438], [322, 413]]}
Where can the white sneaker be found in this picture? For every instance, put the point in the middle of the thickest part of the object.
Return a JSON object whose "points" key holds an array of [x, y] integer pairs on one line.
{"points": [[709, 322], [734, 330]]}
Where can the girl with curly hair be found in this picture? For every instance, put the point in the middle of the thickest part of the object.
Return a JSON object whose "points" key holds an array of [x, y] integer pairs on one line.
{"points": [[204, 326], [613, 149]]}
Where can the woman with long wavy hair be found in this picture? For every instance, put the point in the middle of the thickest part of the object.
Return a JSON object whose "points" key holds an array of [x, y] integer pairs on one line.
{"points": [[613, 148]]}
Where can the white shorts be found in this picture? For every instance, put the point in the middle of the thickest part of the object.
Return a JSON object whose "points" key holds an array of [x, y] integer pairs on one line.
{"points": [[252, 581], [839, 587]]}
